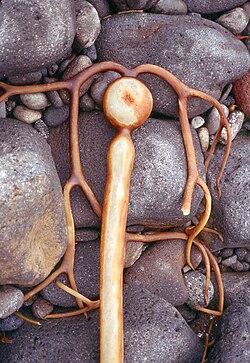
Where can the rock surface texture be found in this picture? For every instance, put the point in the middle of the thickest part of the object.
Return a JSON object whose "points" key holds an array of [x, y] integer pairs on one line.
{"points": [[158, 177], [177, 44], [211, 6], [32, 221], [34, 34]]}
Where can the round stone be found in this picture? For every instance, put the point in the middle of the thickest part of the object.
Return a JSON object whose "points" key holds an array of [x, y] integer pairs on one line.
{"points": [[10, 323], [213, 120], [100, 85], [41, 308], [127, 103], [195, 282], [26, 115], [170, 7], [197, 122], [11, 299], [204, 138], [35, 101], [55, 116], [235, 20], [235, 120]]}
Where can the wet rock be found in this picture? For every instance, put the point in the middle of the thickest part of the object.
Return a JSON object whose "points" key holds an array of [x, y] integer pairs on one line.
{"points": [[232, 342], [86, 274], [76, 66], [241, 91], [133, 252], [99, 86], [204, 138], [88, 24], [26, 115], [10, 323], [35, 101], [32, 220], [102, 7], [170, 7], [232, 209], [159, 271], [235, 120], [2, 109], [207, 66], [45, 31], [11, 299], [235, 20], [86, 103], [42, 128], [55, 116], [197, 122], [41, 308], [27, 78], [209, 7], [213, 119], [195, 282], [158, 177]]}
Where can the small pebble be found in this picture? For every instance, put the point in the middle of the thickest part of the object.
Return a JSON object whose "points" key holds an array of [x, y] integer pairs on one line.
{"points": [[35, 101], [41, 308], [10, 323], [54, 98], [88, 24], [86, 235], [226, 252], [64, 65], [86, 103], [76, 66], [240, 253], [42, 128], [246, 7], [10, 104], [245, 266], [133, 252], [52, 70], [204, 138], [170, 7], [195, 282], [235, 120], [24, 114], [213, 119], [230, 100], [234, 20], [228, 262], [197, 122], [55, 116], [91, 53], [99, 86], [247, 257], [2, 109], [237, 266], [11, 299], [28, 78], [136, 228]]}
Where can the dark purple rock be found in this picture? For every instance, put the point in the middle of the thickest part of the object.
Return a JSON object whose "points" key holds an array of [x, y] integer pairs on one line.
{"points": [[122, 5], [27, 78], [34, 34], [10, 323], [211, 6], [158, 177], [11, 299], [177, 44], [102, 7], [55, 116]]}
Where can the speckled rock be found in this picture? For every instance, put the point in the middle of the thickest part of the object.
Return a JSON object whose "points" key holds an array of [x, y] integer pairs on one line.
{"points": [[42, 128], [55, 116], [209, 7], [35, 101], [100, 84], [86, 234], [232, 342], [54, 98], [27, 78], [240, 253], [133, 252], [213, 119], [170, 7], [102, 7], [41, 308], [88, 24], [197, 122], [235, 120], [208, 66], [10, 323], [231, 212], [24, 114], [246, 7], [228, 262], [91, 53], [44, 31], [133, 4], [241, 89], [76, 66], [86, 103], [159, 271], [32, 220], [2, 109], [235, 20], [11, 299], [158, 177], [86, 275], [195, 282], [204, 138]]}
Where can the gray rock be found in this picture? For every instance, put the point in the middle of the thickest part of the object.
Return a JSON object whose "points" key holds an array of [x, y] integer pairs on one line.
{"points": [[86, 234], [32, 219], [52, 69], [26, 115], [237, 266], [204, 138], [235, 20], [41, 308], [246, 7], [231, 213], [159, 271], [228, 262], [133, 253], [55, 116], [91, 53], [10, 323], [2, 109], [170, 7], [27, 78], [11, 299], [226, 252], [209, 7], [247, 257], [86, 275], [137, 38], [197, 122], [195, 283], [240, 253], [213, 119], [35, 101], [54, 98], [232, 342], [34, 36], [133, 4], [100, 85], [235, 120], [102, 7], [77, 65], [157, 185], [42, 128], [186, 312], [88, 24], [246, 266], [86, 103]]}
